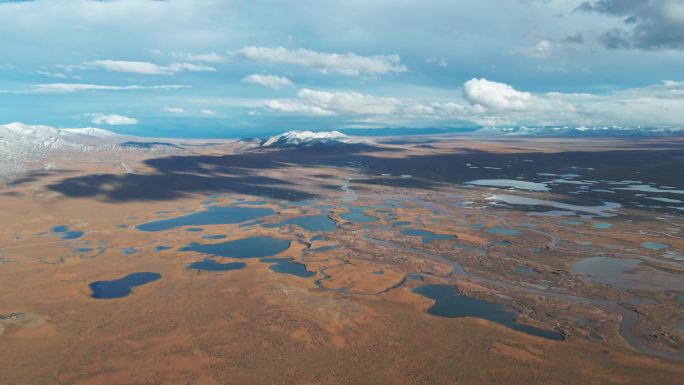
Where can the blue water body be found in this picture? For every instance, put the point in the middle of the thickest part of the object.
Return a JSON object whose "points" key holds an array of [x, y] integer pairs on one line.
{"points": [[256, 247], [312, 223], [679, 325], [214, 215], [209, 265], [512, 183], [161, 248], [66, 233], [636, 300], [655, 246], [252, 203], [525, 270], [602, 225], [194, 229], [604, 270], [292, 268], [121, 287], [501, 231], [72, 234], [128, 250], [401, 223], [416, 232], [378, 272], [84, 249], [570, 222], [438, 237], [318, 237], [356, 215], [502, 243], [450, 303]]}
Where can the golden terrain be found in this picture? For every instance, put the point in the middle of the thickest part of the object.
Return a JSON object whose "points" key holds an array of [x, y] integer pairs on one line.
{"points": [[347, 324]]}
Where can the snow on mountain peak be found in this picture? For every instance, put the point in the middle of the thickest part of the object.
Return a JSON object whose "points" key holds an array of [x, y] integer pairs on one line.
{"points": [[27, 133], [89, 131], [21, 142], [309, 138]]}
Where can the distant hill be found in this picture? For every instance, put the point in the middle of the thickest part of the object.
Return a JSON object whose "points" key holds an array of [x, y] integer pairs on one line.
{"points": [[581, 131], [295, 139]]}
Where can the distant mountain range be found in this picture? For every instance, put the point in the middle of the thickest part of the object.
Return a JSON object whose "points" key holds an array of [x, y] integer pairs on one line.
{"points": [[292, 139], [608, 131], [20, 142], [23, 143]]}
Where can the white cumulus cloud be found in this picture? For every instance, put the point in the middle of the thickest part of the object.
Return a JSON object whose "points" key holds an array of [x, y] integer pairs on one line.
{"points": [[343, 63], [113, 120], [334, 103], [147, 68], [175, 110], [202, 57], [271, 81], [74, 87], [495, 95]]}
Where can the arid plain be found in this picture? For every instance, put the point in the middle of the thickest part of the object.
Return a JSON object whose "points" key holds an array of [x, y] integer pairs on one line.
{"points": [[452, 260]]}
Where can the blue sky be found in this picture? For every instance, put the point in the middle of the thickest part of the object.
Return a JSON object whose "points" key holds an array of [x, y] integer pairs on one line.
{"points": [[248, 68]]}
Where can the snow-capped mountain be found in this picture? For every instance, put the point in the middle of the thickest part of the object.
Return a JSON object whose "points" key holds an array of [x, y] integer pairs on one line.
{"points": [[19, 138], [89, 131], [310, 139], [580, 131], [21, 143]]}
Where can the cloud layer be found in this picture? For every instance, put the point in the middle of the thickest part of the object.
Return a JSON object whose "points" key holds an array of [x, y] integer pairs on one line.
{"points": [[647, 24], [269, 81], [146, 68], [242, 68], [74, 87], [343, 63], [113, 120], [490, 103]]}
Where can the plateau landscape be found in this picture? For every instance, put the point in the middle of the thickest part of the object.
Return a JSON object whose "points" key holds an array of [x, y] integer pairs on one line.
{"points": [[215, 192]]}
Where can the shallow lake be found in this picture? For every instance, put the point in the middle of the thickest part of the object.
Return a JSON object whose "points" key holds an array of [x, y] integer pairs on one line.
{"points": [[623, 274], [512, 183], [121, 287], [209, 265], [655, 246], [449, 303], [604, 269], [287, 266], [67, 234], [501, 231], [356, 215], [255, 247], [427, 236]]}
